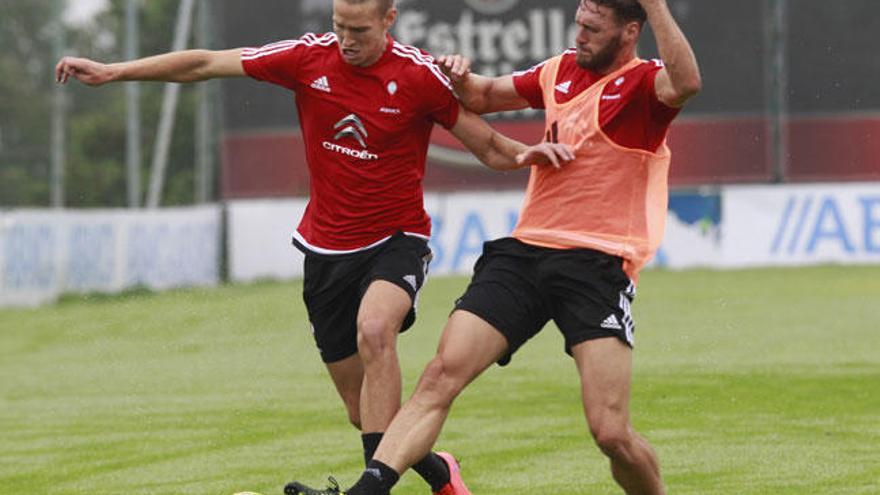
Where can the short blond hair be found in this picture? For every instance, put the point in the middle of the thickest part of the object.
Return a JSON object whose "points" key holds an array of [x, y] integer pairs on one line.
{"points": [[384, 5]]}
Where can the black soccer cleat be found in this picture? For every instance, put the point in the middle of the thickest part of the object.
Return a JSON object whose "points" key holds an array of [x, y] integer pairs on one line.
{"points": [[297, 488]]}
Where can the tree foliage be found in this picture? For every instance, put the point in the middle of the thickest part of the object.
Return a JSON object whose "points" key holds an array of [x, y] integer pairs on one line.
{"points": [[25, 99], [95, 171]]}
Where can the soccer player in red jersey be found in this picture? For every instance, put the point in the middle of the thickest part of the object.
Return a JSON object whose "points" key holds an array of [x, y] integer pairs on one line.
{"points": [[366, 105], [583, 234]]}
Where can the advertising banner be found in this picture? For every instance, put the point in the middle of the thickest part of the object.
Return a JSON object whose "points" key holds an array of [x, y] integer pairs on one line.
{"points": [[259, 232], [693, 231], [45, 253], [801, 225], [462, 222], [258, 239]]}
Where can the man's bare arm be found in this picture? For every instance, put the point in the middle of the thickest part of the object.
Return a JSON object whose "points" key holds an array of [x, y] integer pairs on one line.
{"points": [[184, 66], [502, 153], [481, 94], [680, 79]]}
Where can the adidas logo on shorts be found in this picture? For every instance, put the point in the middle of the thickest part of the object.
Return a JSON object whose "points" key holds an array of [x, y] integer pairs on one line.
{"points": [[611, 323]]}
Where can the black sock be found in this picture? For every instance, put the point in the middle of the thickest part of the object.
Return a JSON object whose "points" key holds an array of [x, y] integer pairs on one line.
{"points": [[434, 470], [371, 443], [377, 479]]}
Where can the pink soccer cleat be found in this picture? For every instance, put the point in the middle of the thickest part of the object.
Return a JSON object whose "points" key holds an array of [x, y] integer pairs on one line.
{"points": [[456, 484]]}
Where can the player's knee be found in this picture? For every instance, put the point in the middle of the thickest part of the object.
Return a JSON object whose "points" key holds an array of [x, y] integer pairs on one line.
{"points": [[376, 336], [439, 383], [613, 439]]}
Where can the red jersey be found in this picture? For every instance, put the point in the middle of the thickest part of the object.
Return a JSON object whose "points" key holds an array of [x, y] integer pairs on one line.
{"points": [[624, 105], [366, 131]]}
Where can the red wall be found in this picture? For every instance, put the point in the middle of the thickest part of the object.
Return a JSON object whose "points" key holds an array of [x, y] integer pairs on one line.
{"points": [[705, 151]]}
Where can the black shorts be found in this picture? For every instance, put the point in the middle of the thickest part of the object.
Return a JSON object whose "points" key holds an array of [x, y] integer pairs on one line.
{"points": [[518, 288], [334, 285]]}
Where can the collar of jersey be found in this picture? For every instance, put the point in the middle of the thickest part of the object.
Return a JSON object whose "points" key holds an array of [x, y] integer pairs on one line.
{"points": [[595, 77]]}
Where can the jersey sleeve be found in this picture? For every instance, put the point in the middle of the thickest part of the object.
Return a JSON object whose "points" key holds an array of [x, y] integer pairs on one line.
{"points": [[277, 63], [440, 102], [661, 113], [528, 85]]}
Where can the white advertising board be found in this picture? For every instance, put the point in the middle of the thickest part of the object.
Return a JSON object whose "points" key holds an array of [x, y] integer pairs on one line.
{"points": [[259, 234], [801, 225], [462, 222], [260, 231], [44, 253], [258, 237]]}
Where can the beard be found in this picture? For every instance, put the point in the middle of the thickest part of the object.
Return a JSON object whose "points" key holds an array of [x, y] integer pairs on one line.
{"points": [[603, 59]]}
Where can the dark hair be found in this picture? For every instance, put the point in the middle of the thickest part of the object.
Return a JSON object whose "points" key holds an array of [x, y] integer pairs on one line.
{"points": [[625, 10]]}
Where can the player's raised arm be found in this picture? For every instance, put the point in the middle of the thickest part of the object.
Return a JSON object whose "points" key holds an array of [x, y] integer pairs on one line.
{"points": [[499, 152], [480, 94], [680, 79], [183, 66]]}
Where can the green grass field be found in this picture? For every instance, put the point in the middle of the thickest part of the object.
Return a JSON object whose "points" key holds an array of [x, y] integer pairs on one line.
{"points": [[747, 382]]}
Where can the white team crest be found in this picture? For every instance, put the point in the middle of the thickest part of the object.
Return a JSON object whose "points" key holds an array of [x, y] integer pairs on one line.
{"points": [[620, 80], [392, 88]]}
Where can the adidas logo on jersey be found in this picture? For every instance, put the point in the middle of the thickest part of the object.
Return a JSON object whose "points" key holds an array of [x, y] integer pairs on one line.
{"points": [[611, 323], [564, 87], [322, 84]]}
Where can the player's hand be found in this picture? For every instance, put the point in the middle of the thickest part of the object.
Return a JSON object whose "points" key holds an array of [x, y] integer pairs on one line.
{"points": [[546, 154], [84, 70], [456, 67]]}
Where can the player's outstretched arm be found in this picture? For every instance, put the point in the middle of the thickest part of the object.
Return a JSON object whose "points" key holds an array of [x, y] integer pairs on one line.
{"points": [[680, 79], [502, 153], [480, 94], [184, 66]]}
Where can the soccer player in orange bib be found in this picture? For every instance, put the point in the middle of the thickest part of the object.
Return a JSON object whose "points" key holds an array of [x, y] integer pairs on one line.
{"points": [[584, 233]]}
